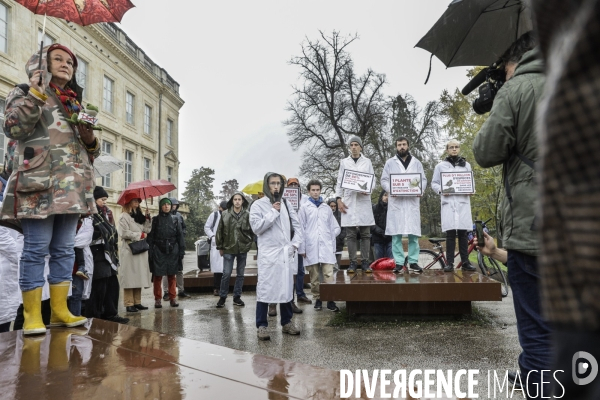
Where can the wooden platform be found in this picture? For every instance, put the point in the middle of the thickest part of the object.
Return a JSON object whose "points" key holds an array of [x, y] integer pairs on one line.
{"points": [[196, 281], [432, 292], [106, 360]]}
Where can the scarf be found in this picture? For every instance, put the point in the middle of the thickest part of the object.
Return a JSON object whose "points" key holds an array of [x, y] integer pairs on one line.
{"points": [[316, 202], [456, 160], [138, 216], [109, 236], [68, 98]]}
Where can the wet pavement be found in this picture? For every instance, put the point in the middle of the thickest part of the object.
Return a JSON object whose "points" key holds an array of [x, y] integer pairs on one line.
{"points": [[488, 343]]}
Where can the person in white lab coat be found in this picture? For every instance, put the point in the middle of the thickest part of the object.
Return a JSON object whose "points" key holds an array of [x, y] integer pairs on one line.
{"points": [[456, 208], [404, 213], [356, 207], [279, 236], [216, 259], [320, 229]]}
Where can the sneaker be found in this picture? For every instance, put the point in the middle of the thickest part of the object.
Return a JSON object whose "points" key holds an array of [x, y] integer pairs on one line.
{"points": [[415, 267], [216, 292], [272, 310], [131, 309], [166, 296], [183, 294], [398, 269], [366, 267], [221, 302], [119, 320], [318, 305], [304, 299], [82, 275], [290, 329], [140, 307], [449, 268], [332, 307], [295, 309], [174, 303], [352, 268], [468, 267], [262, 333], [157, 304], [238, 302]]}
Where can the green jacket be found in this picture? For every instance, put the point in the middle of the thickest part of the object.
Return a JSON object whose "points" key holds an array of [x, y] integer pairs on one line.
{"points": [[234, 235], [510, 126]]}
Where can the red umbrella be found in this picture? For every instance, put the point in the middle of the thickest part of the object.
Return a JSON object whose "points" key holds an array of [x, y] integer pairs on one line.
{"points": [[82, 12], [144, 189]]}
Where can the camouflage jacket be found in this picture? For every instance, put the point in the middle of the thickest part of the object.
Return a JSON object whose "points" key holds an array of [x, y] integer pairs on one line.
{"points": [[59, 178]]}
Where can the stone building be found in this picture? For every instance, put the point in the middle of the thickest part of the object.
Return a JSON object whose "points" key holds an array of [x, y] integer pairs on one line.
{"points": [[139, 101]]}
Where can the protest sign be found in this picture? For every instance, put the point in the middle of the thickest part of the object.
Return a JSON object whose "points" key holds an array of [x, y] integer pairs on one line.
{"points": [[358, 181], [406, 185], [458, 182], [292, 195]]}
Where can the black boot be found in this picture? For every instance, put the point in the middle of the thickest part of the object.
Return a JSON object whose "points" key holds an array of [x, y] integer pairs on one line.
{"points": [[449, 267]]}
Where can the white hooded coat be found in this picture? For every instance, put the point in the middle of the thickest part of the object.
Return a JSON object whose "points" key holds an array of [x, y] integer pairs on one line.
{"points": [[320, 229], [83, 238], [276, 260], [10, 295], [210, 228], [360, 209], [456, 208], [404, 212]]}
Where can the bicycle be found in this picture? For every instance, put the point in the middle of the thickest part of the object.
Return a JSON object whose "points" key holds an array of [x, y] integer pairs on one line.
{"points": [[429, 259]]}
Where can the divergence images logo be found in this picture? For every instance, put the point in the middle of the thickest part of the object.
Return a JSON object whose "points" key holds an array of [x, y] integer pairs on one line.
{"points": [[585, 368]]}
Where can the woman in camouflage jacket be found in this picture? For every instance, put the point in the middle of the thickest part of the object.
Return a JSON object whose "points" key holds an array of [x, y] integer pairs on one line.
{"points": [[52, 182]]}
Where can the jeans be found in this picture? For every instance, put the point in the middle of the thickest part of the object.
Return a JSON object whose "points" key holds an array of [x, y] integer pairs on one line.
{"points": [[398, 249], [54, 235], [463, 245], [239, 270], [534, 332], [300, 277], [285, 309], [74, 302], [365, 242], [383, 250]]}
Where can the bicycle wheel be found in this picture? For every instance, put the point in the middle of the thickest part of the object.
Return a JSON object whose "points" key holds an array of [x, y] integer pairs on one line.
{"points": [[490, 268], [430, 260]]}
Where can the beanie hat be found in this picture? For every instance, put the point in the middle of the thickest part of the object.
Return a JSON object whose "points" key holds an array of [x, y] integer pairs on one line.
{"points": [[99, 192], [223, 205], [357, 140], [164, 201], [57, 46]]}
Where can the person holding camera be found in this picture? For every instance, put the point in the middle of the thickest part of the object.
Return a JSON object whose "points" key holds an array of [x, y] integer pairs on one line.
{"points": [[456, 208], [508, 138]]}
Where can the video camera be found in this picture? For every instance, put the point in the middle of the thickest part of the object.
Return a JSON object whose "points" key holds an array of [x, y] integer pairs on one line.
{"points": [[494, 77]]}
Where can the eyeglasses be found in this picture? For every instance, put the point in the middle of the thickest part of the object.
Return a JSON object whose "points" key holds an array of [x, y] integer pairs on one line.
{"points": [[453, 147]]}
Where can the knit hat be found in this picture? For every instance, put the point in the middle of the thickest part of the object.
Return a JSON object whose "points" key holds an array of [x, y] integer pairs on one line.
{"points": [[164, 201], [223, 205], [357, 140], [99, 192]]}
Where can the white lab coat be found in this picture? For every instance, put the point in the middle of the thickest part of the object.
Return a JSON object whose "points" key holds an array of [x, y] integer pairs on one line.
{"points": [[276, 266], [404, 212], [360, 209], [216, 260], [83, 238], [456, 208], [320, 230], [10, 295]]}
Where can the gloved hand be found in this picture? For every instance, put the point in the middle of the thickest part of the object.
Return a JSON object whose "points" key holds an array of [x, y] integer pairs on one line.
{"points": [[143, 235]]}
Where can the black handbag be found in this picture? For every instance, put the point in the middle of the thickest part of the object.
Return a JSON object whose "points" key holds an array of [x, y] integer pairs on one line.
{"points": [[139, 247]]}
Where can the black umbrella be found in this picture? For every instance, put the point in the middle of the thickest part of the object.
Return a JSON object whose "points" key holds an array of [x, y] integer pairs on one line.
{"points": [[476, 32]]}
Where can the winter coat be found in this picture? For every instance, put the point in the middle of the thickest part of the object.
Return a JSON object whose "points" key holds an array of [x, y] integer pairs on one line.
{"points": [[339, 240], [234, 235], [510, 126], [10, 297], [320, 230], [83, 238], [105, 255], [276, 258], [456, 208], [380, 215], [404, 212], [211, 228], [167, 245], [360, 209], [59, 179], [135, 271]]}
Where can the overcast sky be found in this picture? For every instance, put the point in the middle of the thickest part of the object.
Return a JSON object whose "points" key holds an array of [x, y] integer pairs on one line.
{"points": [[231, 60]]}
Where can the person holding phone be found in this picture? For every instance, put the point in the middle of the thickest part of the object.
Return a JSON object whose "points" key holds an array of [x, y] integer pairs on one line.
{"points": [[456, 208]]}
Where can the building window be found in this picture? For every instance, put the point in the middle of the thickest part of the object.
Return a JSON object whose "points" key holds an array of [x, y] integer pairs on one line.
{"points": [[128, 167], [129, 107], [146, 168], [170, 179], [106, 149], [3, 28], [48, 40], [81, 74], [169, 132], [2, 140], [108, 94], [147, 119]]}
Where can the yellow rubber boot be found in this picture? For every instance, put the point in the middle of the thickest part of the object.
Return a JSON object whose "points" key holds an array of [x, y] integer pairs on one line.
{"points": [[30, 356], [58, 357], [61, 316], [32, 312]]}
